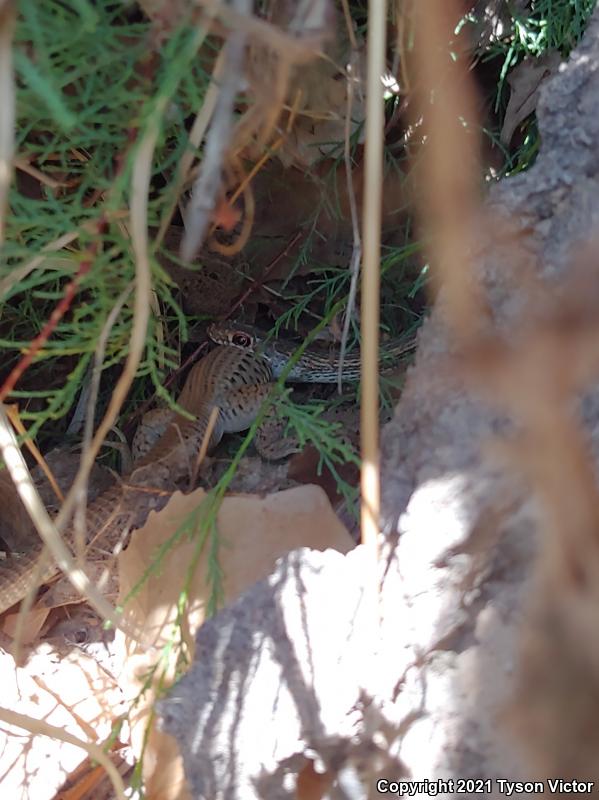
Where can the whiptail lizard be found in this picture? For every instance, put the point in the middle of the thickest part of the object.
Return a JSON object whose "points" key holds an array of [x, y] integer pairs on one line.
{"points": [[315, 365], [236, 377]]}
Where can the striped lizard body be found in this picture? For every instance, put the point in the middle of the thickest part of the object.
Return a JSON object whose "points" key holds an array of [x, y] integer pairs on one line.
{"points": [[315, 365]]}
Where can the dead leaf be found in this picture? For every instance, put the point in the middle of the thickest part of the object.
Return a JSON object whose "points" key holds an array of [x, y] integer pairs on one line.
{"points": [[254, 533], [317, 92], [525, 81], [305, 467], [102, 573], [32, 624]]}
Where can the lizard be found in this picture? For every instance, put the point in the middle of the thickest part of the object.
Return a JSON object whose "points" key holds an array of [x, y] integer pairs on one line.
{"points": [[235, 377], [315, 365]]}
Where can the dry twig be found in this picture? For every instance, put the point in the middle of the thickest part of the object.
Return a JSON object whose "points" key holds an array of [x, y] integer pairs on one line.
{"points": [[356, 256], [7, 103], [208, 184], [371, 227]]}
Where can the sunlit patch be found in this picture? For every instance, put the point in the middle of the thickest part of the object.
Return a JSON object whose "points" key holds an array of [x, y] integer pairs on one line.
{"points": [[391, 85]]}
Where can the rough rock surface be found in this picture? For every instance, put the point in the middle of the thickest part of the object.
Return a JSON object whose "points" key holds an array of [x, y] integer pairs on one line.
{"points": [[436, 482]]}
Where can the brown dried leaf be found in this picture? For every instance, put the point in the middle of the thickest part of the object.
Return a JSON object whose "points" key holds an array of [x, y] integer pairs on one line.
{"points": [[525, 81], [254, 533], [32, 624]]}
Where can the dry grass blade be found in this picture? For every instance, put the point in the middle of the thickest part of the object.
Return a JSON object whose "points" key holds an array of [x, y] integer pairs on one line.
{"points": [[143, 295], [23, 164], [371, 227], [82, 476], [356, 256], [12, 412], [7, 103], [196, 137], [17, 274], [46, 528], [290, 47], [212, 420]]}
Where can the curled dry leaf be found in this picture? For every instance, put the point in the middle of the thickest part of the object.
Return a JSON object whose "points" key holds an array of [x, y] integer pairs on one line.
{"points": [[525, 81]]}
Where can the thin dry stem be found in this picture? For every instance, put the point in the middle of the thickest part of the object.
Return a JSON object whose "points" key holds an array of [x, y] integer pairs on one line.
{"points": [[349, 25], [7, 103], [12, 412], [401, 42], [356, 256], [26, 606], [371, 227], [249, 211], [208, 184], [293, 110], [292, 48], [212, 420], [88, 430], [41, 728], [18, 274], [196, 137], [24, 165], [143, 291], [143, 286]]}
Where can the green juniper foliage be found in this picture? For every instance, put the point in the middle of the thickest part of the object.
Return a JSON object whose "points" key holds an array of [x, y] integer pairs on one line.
{"points": [[542, 27], [86, 87]]}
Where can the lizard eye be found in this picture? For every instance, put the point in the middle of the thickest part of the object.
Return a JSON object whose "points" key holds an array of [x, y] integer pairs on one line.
{"points": [[241, 339]]}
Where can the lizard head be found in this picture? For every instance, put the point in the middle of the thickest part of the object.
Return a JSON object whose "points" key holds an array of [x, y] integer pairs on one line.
{"points": [[233, 334]]}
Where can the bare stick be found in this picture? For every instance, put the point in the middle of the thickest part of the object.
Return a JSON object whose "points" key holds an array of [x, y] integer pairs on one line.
{"points": [[371, 227], [211, 424], [7, 103], [196, 136], [356, 256], [208, 184], [448, 180], [20, 273], [88, 431]]}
